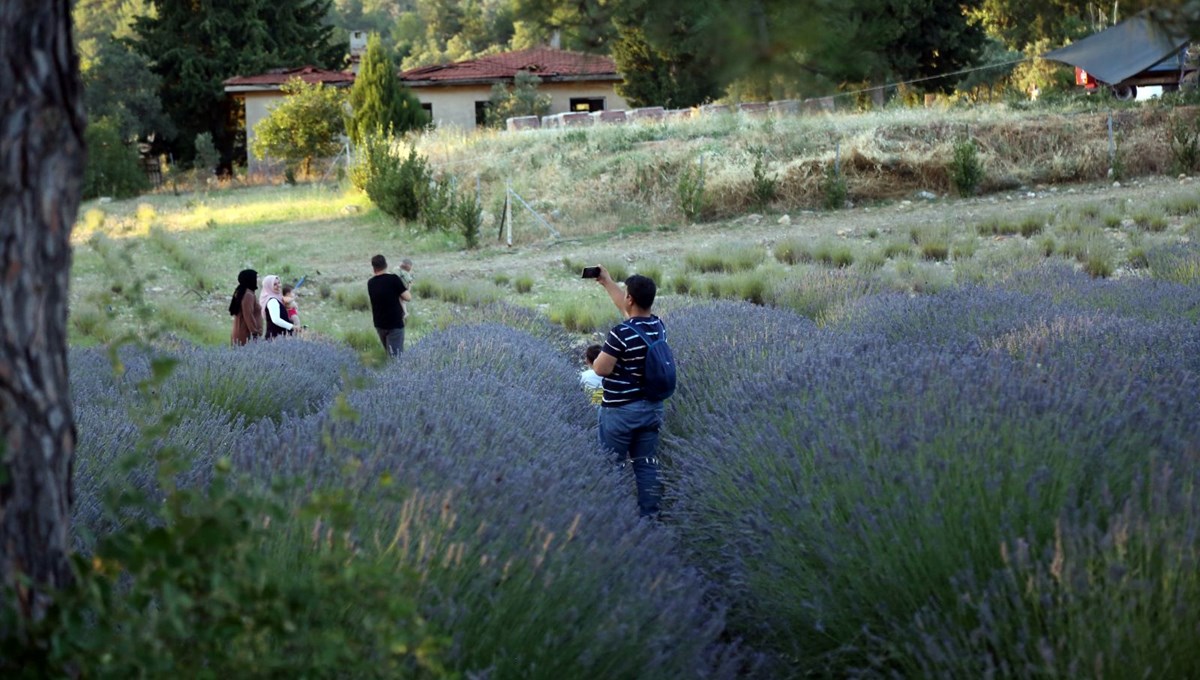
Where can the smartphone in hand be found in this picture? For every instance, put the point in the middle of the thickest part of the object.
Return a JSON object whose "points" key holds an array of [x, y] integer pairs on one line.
{"points": [[591, 273]]}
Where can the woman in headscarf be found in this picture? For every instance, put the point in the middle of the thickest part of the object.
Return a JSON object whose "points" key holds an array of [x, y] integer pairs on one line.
{"points": [[247, 315], [273, 310]]}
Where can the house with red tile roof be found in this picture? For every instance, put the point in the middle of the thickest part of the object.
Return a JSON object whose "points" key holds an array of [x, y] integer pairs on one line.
{"points": [[457, 94]]}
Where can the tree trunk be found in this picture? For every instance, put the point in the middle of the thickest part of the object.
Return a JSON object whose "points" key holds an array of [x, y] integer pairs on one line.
{"points": [[41, 167]]}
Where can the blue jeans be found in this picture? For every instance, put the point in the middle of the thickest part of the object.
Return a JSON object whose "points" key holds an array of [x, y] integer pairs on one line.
{"points": [[392, 339], [631, 432]]}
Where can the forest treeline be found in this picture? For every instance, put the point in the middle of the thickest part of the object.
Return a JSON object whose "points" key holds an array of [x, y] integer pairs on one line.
{"points": [[155, 67]]}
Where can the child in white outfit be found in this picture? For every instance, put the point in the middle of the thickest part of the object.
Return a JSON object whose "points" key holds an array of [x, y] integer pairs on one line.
{"points": [[592, 383]]}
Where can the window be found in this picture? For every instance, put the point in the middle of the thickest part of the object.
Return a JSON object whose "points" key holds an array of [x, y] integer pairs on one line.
{"points": [[428, 110], [481, 113], [587, 103]]}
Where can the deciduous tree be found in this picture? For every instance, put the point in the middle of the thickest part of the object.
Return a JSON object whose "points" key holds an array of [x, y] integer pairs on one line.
{"points": [[41, 163], [307, 124]]}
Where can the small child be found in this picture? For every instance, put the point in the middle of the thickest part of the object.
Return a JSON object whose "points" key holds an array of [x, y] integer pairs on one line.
{"points": [[289, 305], [406, 277], [592, 383]]}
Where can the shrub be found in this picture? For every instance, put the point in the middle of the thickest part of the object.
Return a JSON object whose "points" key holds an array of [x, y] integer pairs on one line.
{"points": [[501, 279], [1150, 221], [468, 215], [438, 204], [763, 187], [1176, 263], [1099, 263], [1182, 206], [355, 298], [834, 191], [791, 251], [523, 284], [112, 165], [818, 293], [728, 259], [833, 254], [689, 191], [683, 284], [1032, 225], [207, 156], [587, 315], [966, 170], [522, 99], [397, 186], [1184, 141], [651, 271]]}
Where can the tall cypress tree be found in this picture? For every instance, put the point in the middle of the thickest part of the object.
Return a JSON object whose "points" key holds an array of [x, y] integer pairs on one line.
{"points": [[194, 46], [379, 102]]}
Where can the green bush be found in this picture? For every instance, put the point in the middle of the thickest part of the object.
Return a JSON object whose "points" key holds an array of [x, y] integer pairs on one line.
{"points": [[1032, 225], [653, 272], [397, 186], [468, 215], [763, 187], [689, 191], [207, 156], [1184, 138], [586, 315], [112, 165], [833, 188], [523, 284], [1152, 221], [683, 284], [353, 299], [727, 259], [791, 251], [966, 170], [438, 205]]}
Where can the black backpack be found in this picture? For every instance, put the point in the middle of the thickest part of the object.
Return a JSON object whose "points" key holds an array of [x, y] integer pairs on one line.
{"points": [[658, 378]]}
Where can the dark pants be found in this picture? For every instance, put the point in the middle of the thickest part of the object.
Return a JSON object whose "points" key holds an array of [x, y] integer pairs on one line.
{"points": [[392, 339], [631, 432]]}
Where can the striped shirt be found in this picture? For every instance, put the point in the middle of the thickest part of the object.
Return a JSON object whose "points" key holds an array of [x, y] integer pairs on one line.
{"points": [[624, 384]]}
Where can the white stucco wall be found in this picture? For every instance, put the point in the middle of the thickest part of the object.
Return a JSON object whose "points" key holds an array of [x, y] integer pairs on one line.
{"points": [[258, 105], [455, 105], [452, 106]]}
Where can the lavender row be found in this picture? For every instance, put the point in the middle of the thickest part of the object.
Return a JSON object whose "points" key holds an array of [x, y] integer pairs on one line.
{"points": [[841, 483], [474, 458]]}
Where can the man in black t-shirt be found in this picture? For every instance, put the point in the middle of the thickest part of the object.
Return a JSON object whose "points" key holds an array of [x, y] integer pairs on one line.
{"points": [[386, 292]]}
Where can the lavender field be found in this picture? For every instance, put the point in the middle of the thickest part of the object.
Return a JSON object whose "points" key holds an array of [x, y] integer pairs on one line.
{"points": [[996, 480]]}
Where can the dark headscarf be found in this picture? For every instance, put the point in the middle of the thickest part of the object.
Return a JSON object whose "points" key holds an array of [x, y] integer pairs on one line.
{"points": [[247, 280]]}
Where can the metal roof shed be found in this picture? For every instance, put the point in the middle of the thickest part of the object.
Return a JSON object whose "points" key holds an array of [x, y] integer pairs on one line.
{"points": [[1126, 52]]}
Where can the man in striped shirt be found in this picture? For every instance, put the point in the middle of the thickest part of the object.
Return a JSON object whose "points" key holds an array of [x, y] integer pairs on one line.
{"points": [[629, 423]]}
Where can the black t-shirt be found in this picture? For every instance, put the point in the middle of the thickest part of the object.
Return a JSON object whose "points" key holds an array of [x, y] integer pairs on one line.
{"points": [[385, 290]]}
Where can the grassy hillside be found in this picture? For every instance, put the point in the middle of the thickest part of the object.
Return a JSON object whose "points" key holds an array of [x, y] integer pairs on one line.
{"points": [[613, 193]]}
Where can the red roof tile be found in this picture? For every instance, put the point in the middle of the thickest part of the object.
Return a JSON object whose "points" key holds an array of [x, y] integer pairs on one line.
{"points": [[545, 62], [279, 76]]}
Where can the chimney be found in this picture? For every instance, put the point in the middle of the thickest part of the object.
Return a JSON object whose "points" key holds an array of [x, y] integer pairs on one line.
{"points": [[556, 40], [358, 47]]}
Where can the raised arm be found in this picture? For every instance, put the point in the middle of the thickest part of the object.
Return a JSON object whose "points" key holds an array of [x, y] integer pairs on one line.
{"points": [[614, 292]]}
